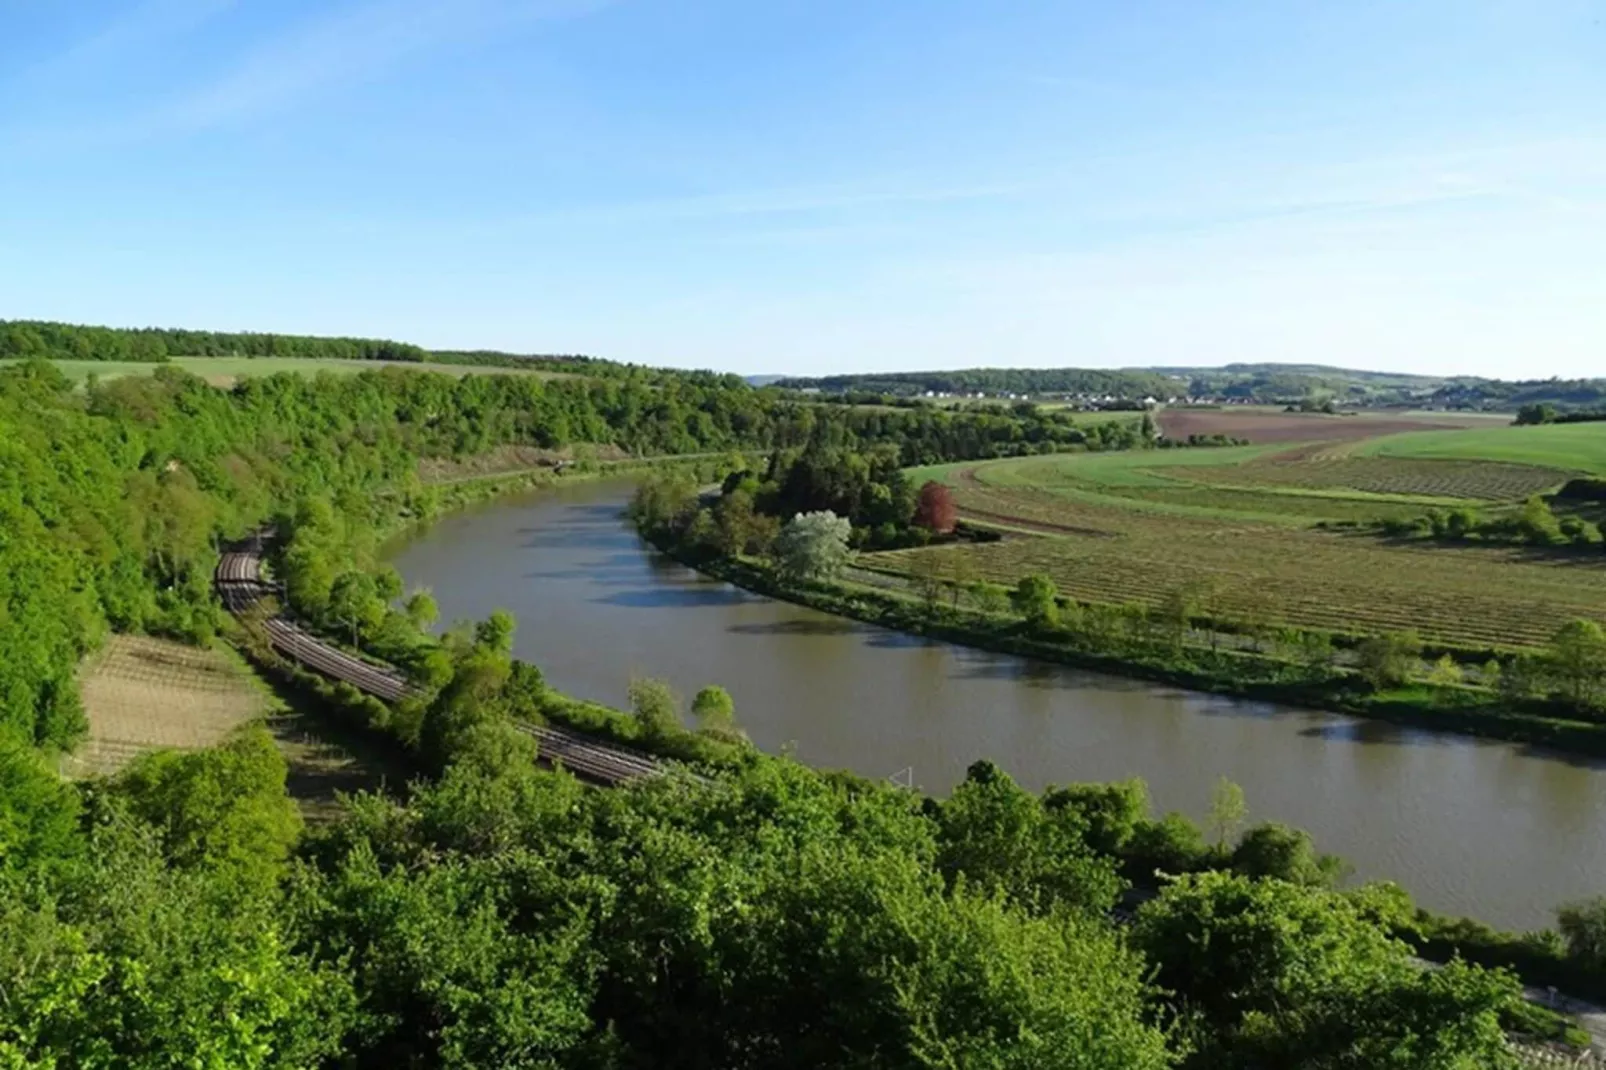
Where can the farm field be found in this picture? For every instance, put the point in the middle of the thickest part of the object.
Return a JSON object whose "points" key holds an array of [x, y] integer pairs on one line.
{"points": [[1262, 424], [1573, 447], [225, 371], [1267, 483], [1086, 418], [1137, 526]]}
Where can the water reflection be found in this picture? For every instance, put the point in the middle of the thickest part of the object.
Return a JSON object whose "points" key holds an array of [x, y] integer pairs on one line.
{"points": [[821, 626]]}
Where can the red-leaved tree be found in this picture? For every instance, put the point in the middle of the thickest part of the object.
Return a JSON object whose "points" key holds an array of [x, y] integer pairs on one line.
{"points": [[935, 509]]}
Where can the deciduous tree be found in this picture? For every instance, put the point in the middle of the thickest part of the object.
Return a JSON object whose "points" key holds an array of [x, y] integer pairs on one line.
{"points": [[422, 609], [656, 708], [223, 808], [714, 708], [813, 546], [1037, 600], [935, 509], [1386, 661], [1227, 810], [1583, 927], [1577, 658], [495, 633], [1274, 850]]}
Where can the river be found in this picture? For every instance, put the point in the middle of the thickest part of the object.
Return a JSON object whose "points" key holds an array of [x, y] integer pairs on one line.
{"points": [[1492, 830]]}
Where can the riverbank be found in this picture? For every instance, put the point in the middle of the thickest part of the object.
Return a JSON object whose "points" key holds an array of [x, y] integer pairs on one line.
{"points": [[1212, 672], [428, 502], [397, 719], [1478, 829]]}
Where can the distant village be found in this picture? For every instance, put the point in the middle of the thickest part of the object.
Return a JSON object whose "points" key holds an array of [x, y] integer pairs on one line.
{"points": [[1424, 399]]}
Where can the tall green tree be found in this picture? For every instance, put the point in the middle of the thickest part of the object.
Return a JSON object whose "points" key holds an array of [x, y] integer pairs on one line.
{"points": [[1386, 661], [1284, 975], [656, 708], [1227, 810], [38, 813], [1577, 659], [422, 610], [714, 708], [998, 838], [1583, 927], [222, 809], [354, 602], [1037, 600]]}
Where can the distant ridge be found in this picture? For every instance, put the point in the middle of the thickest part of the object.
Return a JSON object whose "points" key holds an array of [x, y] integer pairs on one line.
{"points": [[1266, 383]]}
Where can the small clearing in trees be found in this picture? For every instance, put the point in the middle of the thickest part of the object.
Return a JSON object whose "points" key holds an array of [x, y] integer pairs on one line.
{"points": [[144, 694]]}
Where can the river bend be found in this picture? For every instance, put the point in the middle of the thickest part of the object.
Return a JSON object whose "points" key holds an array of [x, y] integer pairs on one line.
{"points": [[1488, 829]]}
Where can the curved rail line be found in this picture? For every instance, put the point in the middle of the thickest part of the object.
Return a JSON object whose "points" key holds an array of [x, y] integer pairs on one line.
{"points": [[240, 586]]}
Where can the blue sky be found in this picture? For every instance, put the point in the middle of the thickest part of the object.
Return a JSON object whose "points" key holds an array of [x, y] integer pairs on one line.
{"points": [[812, 186]]}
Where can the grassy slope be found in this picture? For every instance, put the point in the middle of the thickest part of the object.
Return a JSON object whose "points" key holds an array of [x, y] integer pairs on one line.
{"points": [[224, 370], [1132, 526], [1118, 468], [1123, 468], [1197, 482], [1574, 447]]}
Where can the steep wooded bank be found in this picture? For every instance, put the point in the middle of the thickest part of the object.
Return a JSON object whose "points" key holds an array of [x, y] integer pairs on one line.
{"points": [[112, 499]]}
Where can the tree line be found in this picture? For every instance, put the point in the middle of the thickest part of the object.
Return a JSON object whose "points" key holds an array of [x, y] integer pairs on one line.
{"points": [[1544, 412], [24, 339], [1266, 383], [1535, 523], [1093, 381]]}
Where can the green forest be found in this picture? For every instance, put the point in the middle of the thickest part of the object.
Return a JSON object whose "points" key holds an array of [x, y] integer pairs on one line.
{"points": [[758, 914]]}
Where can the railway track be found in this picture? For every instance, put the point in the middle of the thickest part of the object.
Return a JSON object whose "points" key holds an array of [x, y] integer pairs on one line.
{"points": [[240, 586]]}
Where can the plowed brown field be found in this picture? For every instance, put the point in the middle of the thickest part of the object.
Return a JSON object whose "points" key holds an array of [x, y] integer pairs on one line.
{"points": [[1260, 425]]}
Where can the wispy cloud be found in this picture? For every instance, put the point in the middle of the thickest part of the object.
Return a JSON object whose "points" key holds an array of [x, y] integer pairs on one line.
{"points": [[352, 44], [143, 27], [344, 45]]}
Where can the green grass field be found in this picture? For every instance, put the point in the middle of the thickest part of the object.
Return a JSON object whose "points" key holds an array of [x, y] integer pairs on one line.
{"points": [[1570, 447], [1267, 483], [224, 371], [1136, 526]]}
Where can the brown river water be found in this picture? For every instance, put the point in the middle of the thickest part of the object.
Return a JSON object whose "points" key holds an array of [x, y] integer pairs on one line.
{"points": [[1499, 832]]}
